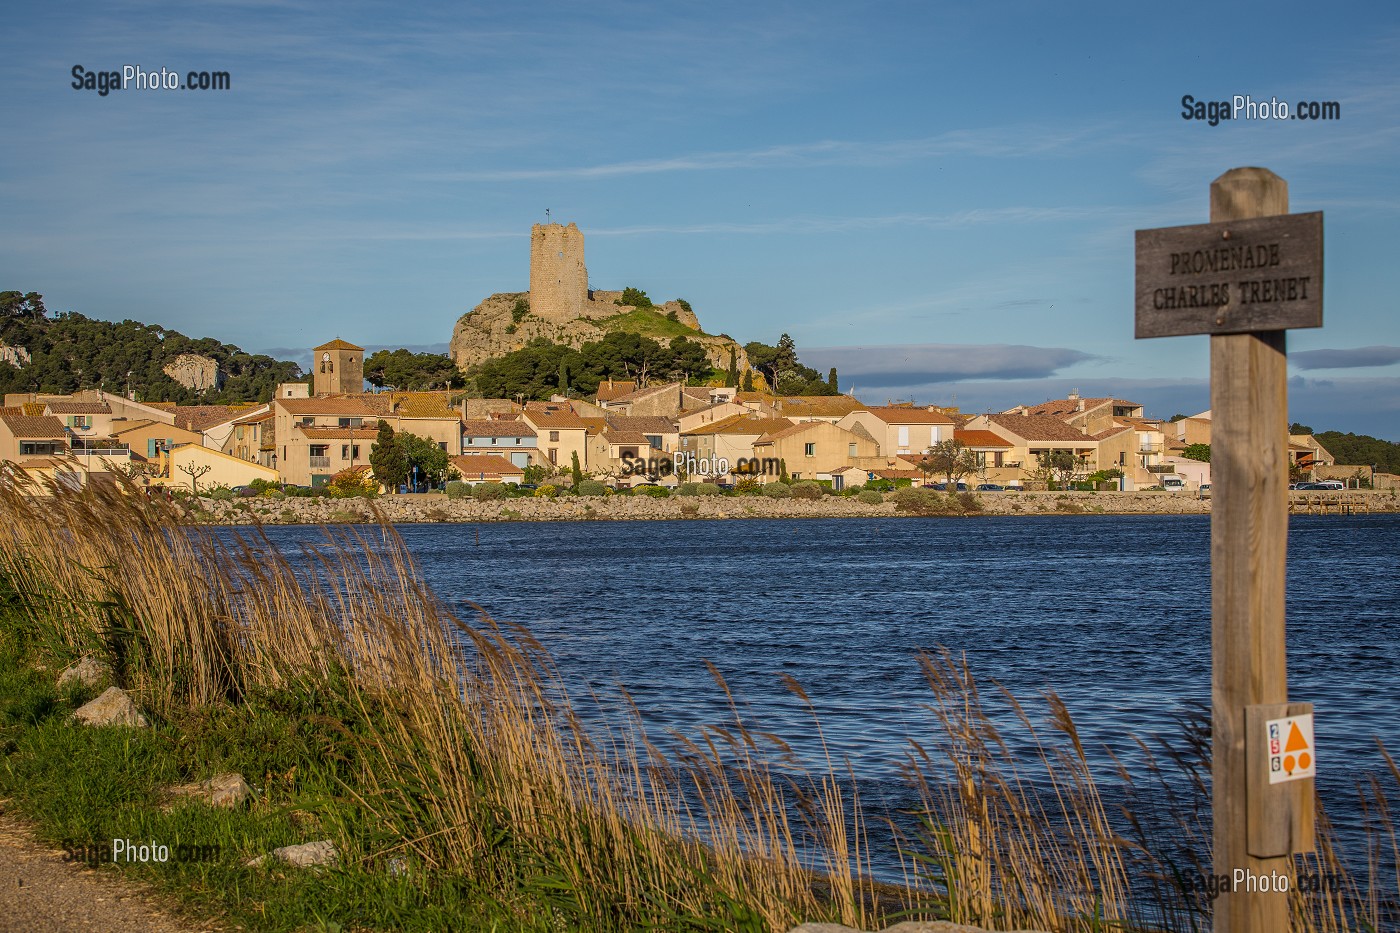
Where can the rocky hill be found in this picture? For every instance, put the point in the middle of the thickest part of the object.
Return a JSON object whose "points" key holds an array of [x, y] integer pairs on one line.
{"points": [[562, 307], [504, 323]]}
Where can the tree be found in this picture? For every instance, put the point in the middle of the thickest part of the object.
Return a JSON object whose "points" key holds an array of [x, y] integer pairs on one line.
{"points": [[1058, 466], [195, 471], [950, 458], [747, 384], [413, 371], [1199, 452], [1296, 428], [425, 454], [831, 379], [577, 470], [635, 297], [731, 375], [387, 459]]}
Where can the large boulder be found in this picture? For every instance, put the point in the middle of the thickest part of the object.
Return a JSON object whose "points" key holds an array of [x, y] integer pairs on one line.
{"points": [[113, 708], [306, 855]]}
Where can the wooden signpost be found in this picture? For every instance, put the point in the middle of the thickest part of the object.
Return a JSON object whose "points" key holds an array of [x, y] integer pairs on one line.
{"points": [[1244, 278]]}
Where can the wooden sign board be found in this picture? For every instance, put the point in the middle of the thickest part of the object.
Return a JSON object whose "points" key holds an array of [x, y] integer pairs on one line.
{"points": [[1236, 277]]}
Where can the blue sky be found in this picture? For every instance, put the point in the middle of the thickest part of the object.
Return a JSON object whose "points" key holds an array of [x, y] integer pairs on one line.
{"points": [[955, 183]]}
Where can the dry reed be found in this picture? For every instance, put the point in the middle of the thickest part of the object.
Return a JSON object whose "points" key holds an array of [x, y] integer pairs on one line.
{"points": [[475, 765]]}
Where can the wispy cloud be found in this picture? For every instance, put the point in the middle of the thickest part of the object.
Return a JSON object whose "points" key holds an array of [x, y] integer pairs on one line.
{"points": [[930, 363], [1001, 142], [1355, 358]]}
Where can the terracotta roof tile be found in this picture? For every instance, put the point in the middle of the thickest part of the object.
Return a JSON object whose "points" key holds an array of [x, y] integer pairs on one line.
{"points": [[333, 405], [497, 427], [28, 427], [79, 408], [980, 439], [338, 344], [554, 419], [472, 466], [899, 414], [742, 424], [1041, 428]]}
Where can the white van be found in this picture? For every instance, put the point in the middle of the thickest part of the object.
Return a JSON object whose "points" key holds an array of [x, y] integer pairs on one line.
{"points": [[1173, 483]]}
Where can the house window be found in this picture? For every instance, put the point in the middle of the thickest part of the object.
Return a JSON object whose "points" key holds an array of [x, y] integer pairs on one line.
{"points": [[320, 450], [493, 442], [654, 440], [349, 451], [79, 422], [904, 437], [553, 455], [850, 450], [442, 445], [554, 436], [810, 450]]}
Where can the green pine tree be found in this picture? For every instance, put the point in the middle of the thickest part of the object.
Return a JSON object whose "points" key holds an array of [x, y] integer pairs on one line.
{"points": [[578, 470], [387, 459], [731, 377]]}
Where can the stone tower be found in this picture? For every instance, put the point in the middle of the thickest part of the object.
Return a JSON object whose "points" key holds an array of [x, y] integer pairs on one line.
{"points": [[338, 368], [558, 277]]}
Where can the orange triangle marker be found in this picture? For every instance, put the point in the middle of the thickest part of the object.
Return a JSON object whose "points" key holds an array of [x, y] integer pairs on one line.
{"points": [[1296, 742]]}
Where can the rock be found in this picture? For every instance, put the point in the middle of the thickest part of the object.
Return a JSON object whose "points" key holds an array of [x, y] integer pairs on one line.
{"points": [[306, 855], [221, 790], [90, 672], [112, 708]]}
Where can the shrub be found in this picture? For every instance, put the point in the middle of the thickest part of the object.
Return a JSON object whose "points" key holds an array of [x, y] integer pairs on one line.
{"points": [[656, 492], [547, 491], [1068, 505], [456, 489], [221, 493], [591, 487], [708, 489], [969, 502], [688, 489], [265, 486], [489, 491], [870, 497], [807, 489], [748, 486], [355, 481], [920, 502], [777, 490]]}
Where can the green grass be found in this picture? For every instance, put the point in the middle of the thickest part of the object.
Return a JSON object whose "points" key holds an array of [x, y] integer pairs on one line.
{"points": [[648, 324], [84, 787]]}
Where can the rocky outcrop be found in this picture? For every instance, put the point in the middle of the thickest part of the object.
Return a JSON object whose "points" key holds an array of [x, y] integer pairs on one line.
{"points": [[502, 324], [113, 708], [195, 372]]}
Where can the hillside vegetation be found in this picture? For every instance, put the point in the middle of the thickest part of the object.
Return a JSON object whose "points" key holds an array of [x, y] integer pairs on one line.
{"points": [[69, 351]]}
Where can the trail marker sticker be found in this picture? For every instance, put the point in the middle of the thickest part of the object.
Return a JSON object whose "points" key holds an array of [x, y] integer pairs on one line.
{"points": [[1292, 755]]}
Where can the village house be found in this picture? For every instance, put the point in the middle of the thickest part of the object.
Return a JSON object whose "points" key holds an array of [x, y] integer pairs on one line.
{"points": [[194, 466], [900, 430], [487, 468], [508, 438], [814, 449], [1030, 436], [1090, 415], [830, 408], [560, 434]]}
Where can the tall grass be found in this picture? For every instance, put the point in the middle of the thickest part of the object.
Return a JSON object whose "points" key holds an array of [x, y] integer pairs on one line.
{"points": [[472, 767]]}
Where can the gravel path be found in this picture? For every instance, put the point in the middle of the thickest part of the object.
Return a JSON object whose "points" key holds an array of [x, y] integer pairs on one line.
{"points": [[40, 892]]}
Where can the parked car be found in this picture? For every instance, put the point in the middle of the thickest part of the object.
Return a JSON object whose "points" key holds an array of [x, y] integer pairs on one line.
{"points": [[246, 492], [1173, 482], [943, 487], [989, 487], [1329, 484]]}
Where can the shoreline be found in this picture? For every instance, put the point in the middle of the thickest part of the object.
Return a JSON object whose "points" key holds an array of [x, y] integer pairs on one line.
{"points": [[436, 508]]}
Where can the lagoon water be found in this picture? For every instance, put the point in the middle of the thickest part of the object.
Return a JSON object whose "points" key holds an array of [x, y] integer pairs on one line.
{"points": [[1110, 612]]}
